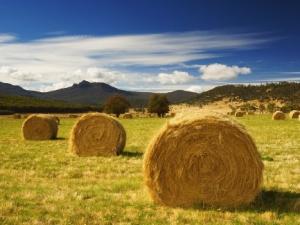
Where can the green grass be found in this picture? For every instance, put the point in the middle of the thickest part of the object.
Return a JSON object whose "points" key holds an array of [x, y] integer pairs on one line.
{"points": [[42, 183]]}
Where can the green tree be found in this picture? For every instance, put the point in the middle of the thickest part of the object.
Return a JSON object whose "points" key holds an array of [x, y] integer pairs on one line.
{"points": [[159, 104], [116, 104]]}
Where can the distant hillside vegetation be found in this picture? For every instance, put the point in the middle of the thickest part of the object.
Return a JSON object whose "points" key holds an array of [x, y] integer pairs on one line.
{"points": [[20, 104], [93, 94], [286, 91]]}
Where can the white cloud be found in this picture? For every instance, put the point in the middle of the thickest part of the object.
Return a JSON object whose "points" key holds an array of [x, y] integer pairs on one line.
{"points": [[116, 60], [176, 77], [199, 88], [16, 76], [218, 71], [7, 38]]}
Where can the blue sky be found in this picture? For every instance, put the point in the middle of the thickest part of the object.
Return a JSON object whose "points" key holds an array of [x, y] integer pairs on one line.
{"points": [[148, 45]]}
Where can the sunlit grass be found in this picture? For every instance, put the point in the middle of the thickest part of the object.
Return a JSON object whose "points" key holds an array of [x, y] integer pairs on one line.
{"points": [[42, 183]]}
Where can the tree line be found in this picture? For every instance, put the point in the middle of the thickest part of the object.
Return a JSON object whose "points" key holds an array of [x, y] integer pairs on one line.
{"points": [[116, 104]]}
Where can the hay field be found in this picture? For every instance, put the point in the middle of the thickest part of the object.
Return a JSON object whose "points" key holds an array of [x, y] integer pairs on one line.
{"points": [[42, 183]]}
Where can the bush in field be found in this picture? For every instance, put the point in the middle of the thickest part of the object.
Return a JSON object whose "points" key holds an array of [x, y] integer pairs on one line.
{"points": [[289, 107], [248, 107], [159, 104], [116, 104]]}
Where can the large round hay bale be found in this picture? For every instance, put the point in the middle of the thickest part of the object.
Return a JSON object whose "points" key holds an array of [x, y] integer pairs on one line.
{"points": [[39, 127], [239, 113], [97, 134], [203, 159], [294, 114], [278, 115]]}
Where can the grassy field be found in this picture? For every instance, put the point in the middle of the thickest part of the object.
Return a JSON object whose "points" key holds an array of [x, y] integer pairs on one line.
{"points": [[42, 183]]}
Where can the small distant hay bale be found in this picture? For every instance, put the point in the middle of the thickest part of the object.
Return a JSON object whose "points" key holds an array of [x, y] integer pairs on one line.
{"points": [[278, 115], [200, 159], [239, 114], [126, 116], [39, 127], [294, 114], [73, 116], [97, 134], [17, 116]]}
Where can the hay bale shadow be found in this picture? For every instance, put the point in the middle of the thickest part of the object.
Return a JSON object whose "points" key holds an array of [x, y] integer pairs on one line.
{"points": [[276, 201], [132, 154], [60, 138], [268, 200]]}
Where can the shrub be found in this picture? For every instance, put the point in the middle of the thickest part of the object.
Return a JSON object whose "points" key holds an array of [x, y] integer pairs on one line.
{"points": [[159, 104], [116, 104]]}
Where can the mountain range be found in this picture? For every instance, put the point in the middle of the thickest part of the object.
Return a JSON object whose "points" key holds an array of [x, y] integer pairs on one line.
{"points": [[92, 94]]}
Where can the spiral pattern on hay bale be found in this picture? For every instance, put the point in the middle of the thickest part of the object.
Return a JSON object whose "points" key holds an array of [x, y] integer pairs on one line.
{"points": [[39, 127], [294, 114], [278, 115], [97, 134], [202, 159]]}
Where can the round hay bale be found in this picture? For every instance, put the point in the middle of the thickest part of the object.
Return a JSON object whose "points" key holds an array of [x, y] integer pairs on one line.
{"points": [[17, 116], [202, 159], [294, 114], [39, 127], [97, 134], [278, 115], [239, 114]]}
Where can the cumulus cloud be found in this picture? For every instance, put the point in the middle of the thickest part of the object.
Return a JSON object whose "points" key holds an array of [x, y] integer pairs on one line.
{"points": [[221, 72], [199, 88], [16, 76], [176, 77], [7, 38]]}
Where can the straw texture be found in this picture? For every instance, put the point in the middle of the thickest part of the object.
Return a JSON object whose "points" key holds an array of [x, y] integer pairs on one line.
{"points": [[39, 127], [97, 134], [206, 159], [278, 115]]}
